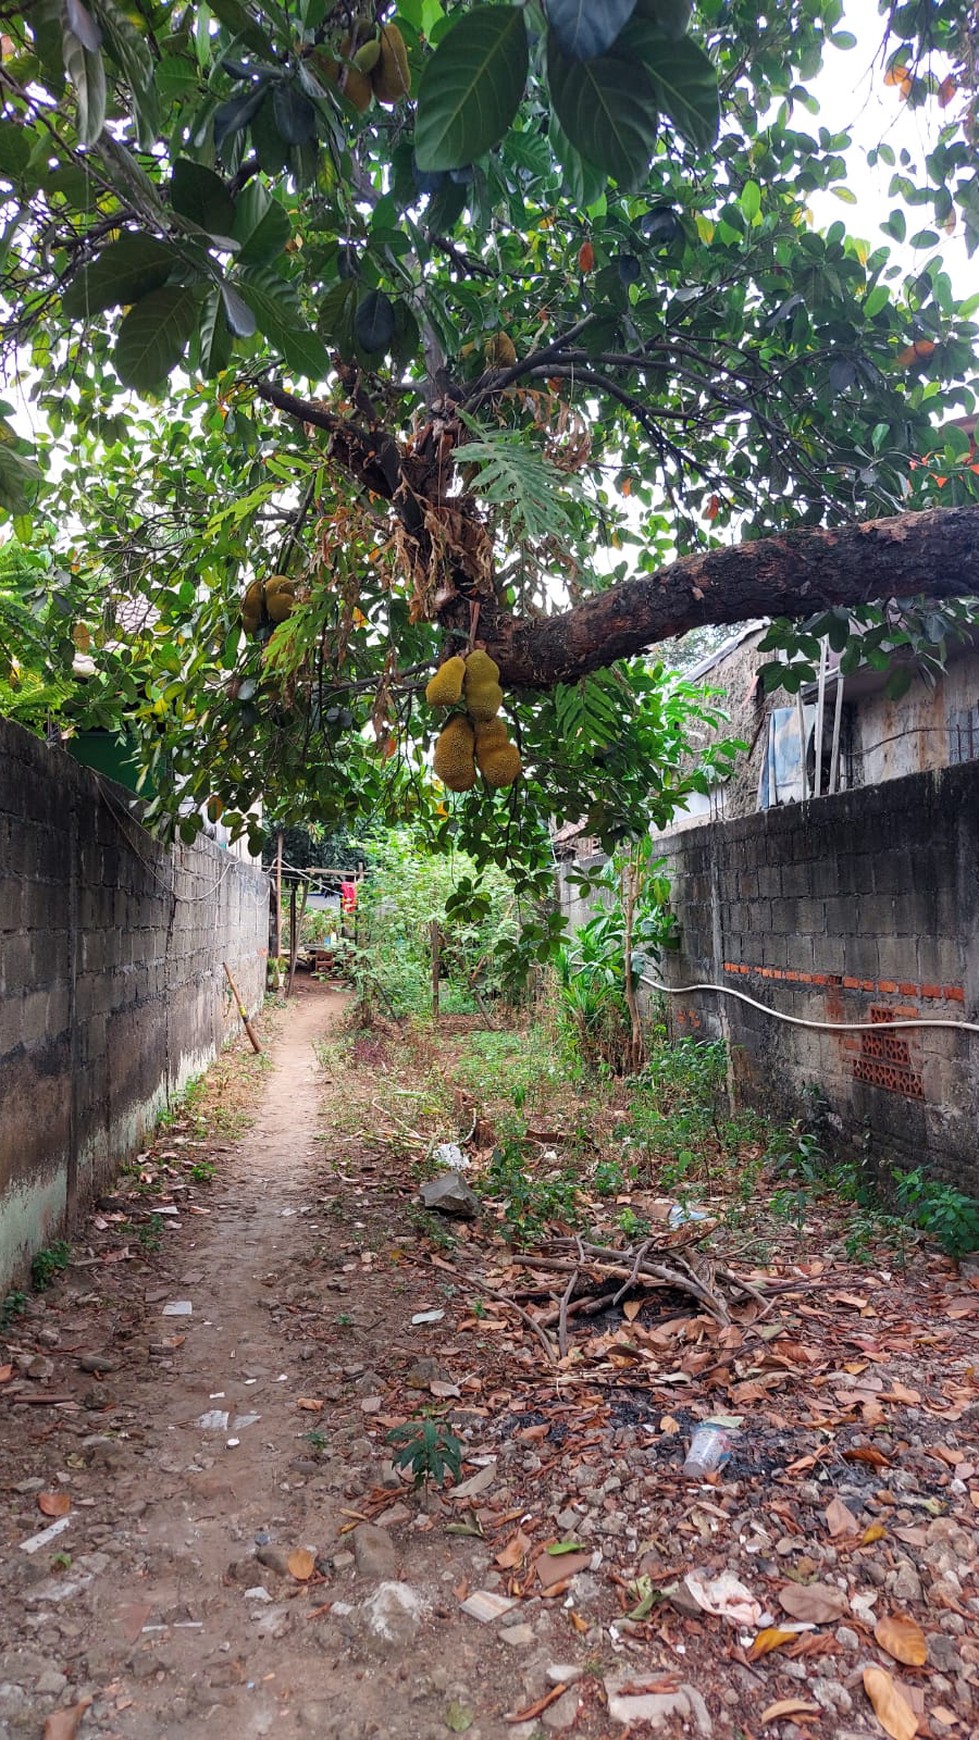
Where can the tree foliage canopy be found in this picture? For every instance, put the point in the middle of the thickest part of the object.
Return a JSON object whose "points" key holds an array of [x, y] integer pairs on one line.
{"points": [[469, 319]]}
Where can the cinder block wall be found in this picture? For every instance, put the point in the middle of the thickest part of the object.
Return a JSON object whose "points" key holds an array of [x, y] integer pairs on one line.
{"points": [[112, 991], [847, 908]]}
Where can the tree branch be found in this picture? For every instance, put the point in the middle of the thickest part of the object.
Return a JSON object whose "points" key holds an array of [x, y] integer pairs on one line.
{"points": [[935, 553]]}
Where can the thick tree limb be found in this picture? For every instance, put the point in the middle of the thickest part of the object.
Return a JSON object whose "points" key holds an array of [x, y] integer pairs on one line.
{"points": [[935, 553]]}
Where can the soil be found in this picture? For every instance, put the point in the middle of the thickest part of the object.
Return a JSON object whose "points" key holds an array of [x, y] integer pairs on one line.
{"points": [[241, 1558]]}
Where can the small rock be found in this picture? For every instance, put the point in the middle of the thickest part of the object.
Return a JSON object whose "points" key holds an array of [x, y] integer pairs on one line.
{"points": [[658, 1708], [394, 1613], [39, 1368], [51, 1683], [375, 1552], [904, 1583], [831, 1695], [562, 1713], [98, 1362], [450, 1195], [517, 1636], [424, 1372], [343, 1561], [942, 1651], [846, 1638], [563, 1673], [275, 1558]]}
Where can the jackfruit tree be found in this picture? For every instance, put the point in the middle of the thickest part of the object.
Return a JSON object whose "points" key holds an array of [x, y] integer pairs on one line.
{"points": [[346, 340]]}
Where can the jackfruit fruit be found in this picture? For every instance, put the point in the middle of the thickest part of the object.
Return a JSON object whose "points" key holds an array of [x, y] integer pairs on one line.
{"points": [[499, 764], [252, 607], [280, 597], [391, 78], [454, 762], [483, 694], [490, 734], [500, 351], [357, 88], [368, 55], [445, 688]]}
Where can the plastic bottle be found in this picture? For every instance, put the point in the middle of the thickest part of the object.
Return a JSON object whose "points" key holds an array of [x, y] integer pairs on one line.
{"points": [[709, 1449]]}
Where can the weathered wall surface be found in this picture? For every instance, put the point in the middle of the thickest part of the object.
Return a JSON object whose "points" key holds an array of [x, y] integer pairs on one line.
{"points": [[858, 907], [112, 992]]}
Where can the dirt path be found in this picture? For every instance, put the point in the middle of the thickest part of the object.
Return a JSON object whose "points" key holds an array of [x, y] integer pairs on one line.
{"points": [[240, 1558], [168, 1600]]}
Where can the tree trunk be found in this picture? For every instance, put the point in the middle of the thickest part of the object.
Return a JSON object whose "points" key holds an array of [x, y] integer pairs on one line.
{"points": [[935, 553]]}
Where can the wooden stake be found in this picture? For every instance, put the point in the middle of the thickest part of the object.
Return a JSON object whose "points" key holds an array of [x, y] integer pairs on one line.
{"points": [[436, 936], [243, 1012]]}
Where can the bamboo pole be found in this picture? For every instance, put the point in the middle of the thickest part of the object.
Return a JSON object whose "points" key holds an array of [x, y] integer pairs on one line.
{"points": [[243, 1012]]}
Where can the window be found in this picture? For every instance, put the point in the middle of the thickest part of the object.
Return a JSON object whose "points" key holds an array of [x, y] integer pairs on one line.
{"points": [[963, 734]]}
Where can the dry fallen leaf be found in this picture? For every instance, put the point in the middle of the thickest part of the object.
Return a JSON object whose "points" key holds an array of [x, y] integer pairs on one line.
{"points": [[514, 1553], [631, 1309], [311, 1404], [891, 1707], [53, 1503], [63, 1724], [771, 1638], [840, 1520], [301, 1564], [6, 1373], [789, 1707], [902, 1638], [874, 1531], [820, 1602]]}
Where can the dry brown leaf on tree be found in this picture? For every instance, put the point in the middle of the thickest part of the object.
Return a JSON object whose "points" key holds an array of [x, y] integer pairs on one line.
{"points": [[63, 1724], [891, 1707], [902, 1638]]}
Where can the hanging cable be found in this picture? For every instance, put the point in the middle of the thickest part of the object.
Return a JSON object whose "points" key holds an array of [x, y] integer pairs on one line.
{"points": [[799, 1021]]}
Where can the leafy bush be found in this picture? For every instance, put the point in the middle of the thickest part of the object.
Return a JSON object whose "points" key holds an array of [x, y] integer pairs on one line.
{"points": [[409, 889]]}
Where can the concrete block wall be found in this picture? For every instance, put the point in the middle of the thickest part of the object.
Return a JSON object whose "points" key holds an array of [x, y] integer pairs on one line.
{"points": [[852, 908], [112, 989]]}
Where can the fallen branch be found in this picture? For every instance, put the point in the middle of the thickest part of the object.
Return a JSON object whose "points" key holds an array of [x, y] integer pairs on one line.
{"points": [[531, 1322]]}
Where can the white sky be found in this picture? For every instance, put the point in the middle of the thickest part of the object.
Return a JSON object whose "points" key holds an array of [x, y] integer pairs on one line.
{"points": [[852, 95]]}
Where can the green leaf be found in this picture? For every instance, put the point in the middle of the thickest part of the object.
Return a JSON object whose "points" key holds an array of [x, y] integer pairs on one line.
{"points": [[274, 306], [214, 339], [582, 179], [20, 480], [131, 52], [374, 322], [87, 74], [294, 114], [124, 272], [586, 28], [684, 80], [471, 87], [607, 108], [261, 225], [15, 149], [202, 197], [241, 320], [153, 337]]}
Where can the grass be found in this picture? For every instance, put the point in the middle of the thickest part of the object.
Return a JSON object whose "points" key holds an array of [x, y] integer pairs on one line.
{"points": [[575, 1147]]}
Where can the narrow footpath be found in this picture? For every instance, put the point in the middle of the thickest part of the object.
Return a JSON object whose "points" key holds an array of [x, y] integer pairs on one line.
{"points": [[202, 1532], [168, 1599]]}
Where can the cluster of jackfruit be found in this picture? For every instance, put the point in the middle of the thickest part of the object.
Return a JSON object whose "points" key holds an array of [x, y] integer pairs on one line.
{"points": [[267, 601], [476, 738], [378, 68]]}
